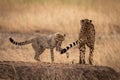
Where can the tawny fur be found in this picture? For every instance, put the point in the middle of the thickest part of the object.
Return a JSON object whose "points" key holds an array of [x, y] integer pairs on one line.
{"points": [[86, 37], [43, 42]]}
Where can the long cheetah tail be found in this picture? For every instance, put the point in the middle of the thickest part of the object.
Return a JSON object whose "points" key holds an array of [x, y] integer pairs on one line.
{"points": [[19, 43], [69, 46]]}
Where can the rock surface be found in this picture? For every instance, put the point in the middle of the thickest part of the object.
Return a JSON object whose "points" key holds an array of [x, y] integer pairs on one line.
{"points": [[57, 71]]}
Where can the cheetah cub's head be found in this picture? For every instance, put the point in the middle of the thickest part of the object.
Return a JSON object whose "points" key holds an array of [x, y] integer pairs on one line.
{"points": [[85, 21], [60, 37]]}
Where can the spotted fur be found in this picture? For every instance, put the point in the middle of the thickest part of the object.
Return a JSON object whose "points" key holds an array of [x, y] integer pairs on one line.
{"points": [[43, 42], [86, 37], [69, 46]]}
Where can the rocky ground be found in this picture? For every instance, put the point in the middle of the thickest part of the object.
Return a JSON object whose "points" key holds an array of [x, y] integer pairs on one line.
{"points": [[10, 70]]}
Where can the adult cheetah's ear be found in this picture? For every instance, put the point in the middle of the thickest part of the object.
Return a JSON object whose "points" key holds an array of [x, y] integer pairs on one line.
{"points": [[90, 21], [64, 35]]}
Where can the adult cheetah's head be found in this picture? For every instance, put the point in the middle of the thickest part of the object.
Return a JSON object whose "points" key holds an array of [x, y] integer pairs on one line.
{"points": [[85, 21]]}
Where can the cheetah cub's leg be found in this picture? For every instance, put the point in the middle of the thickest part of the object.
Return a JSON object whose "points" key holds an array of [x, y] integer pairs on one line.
{"points": [[36, 57], [38, 50], [52, 55], [38, 53], [82, 54], [91, 55]]}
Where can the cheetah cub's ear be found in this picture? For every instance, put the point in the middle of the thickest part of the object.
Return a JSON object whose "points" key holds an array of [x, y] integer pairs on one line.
{"points": [[64, 35], [57, 33], [90, 21]]}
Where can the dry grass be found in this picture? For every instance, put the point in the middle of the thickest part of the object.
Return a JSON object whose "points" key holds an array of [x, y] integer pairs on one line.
{"points": [[21, 18]]}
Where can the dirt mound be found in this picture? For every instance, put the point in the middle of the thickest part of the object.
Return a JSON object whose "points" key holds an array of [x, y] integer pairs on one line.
{"points": [[47, 71]]}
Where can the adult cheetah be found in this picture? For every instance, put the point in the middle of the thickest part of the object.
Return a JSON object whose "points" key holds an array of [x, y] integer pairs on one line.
{"points": [[86, 37]]}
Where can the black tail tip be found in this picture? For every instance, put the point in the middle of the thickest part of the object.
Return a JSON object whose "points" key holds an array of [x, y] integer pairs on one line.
{"points": [[11, 40], [63, 51]]}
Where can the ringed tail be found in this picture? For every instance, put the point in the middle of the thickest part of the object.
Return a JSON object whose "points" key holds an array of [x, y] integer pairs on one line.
{"points": [[68, 47], [20, 43]]}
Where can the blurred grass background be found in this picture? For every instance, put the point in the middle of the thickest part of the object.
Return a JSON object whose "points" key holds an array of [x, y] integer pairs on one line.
{"points": [[23, 18]]}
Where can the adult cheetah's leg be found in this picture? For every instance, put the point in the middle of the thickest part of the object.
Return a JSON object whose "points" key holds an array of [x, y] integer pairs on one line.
{"points": [[91, 55], [82, 54], [52, 55]]}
